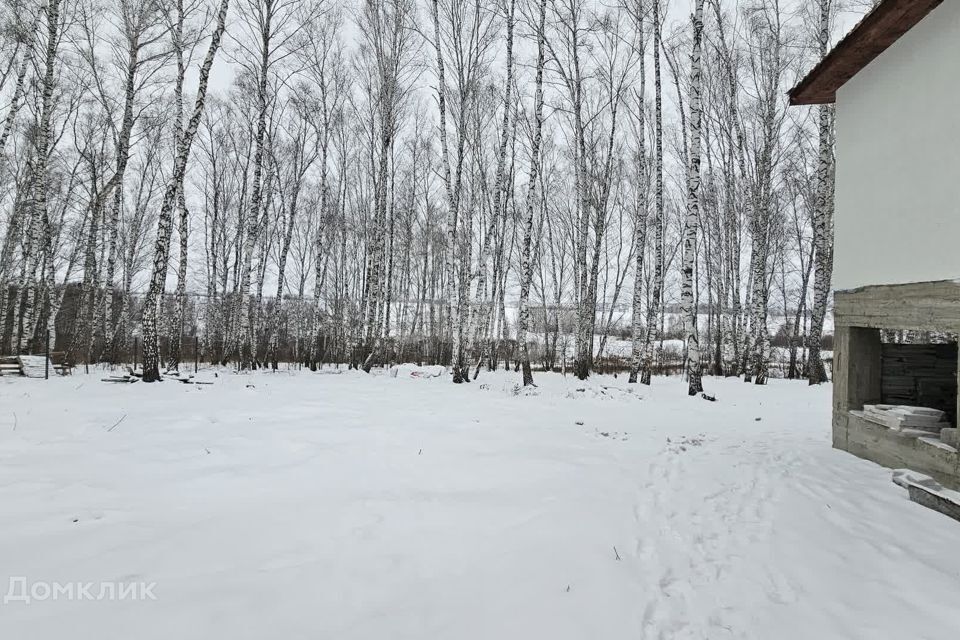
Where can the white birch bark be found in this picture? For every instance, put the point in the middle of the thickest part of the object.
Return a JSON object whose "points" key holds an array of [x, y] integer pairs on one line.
{"points": [[768, 63], [653, 307], [247, 355], [451, 294], [180, 296], [40, 183], [526, 265], [687, 301], [823, 219], [20, 85], [640, 214], [151, 345]]}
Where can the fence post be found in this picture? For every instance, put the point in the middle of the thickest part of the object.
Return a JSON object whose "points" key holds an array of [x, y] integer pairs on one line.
{"points": [[136, 352], [196, 353], [46, 365]]}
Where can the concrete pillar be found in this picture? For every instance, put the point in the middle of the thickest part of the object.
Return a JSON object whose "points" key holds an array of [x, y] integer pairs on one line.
{"points": [[856, 361]]}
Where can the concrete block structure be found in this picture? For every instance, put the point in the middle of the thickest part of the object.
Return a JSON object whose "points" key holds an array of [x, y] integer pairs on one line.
{"points": [[895, 81]]}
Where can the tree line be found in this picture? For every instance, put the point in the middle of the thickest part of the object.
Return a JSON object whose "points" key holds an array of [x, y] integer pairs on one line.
{"points": [[367, 181]]}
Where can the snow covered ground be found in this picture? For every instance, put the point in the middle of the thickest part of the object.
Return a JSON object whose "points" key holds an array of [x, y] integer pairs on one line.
{"points": [[347, 506]]}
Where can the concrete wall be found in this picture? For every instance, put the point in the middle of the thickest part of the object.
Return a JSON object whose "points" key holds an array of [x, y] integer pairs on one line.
{"points": [[858, 380], [898, 160]]}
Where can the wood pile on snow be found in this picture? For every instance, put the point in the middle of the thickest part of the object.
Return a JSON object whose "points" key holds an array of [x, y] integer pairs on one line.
{"points": [[410, 370], [185, 378], [136, 376], [129, 376], [900, 417]]}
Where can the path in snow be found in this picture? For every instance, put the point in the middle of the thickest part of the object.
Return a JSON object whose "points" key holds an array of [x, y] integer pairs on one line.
{"points": [[350, 506]]}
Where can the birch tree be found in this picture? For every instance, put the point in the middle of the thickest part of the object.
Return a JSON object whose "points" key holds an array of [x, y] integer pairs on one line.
{"points": [[151, 343], [692, 223], [465, 33], [40, 221], [323, 57], [640, 198], [654, 304], [388, 47], [823, 216], [418, 193], [526, 266]]}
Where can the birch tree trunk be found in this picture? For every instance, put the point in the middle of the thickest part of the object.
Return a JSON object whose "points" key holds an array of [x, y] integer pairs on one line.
{"points": [[526, 265], [324, 67], [481, 321], [262, 15], [151, 343], [640, 216], [377, 271], [10, 241], [40, 183], [653, 308], [452, 294], [180, 297], [281, 274], [20, 85], [315, 342], [823, 220], [687, 302]]}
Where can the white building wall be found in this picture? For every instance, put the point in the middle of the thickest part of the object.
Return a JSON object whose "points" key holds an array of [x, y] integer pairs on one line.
{"points": [[897, 214]]}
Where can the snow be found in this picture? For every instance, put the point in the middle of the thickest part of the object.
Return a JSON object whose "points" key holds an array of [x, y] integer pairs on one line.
{"points": [[296, 505]]}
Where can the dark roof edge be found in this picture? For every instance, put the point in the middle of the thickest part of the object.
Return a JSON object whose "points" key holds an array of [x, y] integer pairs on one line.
{"points": [[873, 35]]}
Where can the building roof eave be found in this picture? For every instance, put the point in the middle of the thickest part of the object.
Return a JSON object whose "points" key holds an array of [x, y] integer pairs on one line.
{"points": [[875, 33]]}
